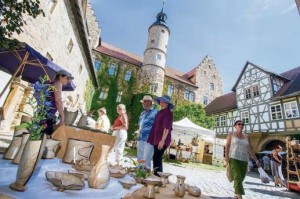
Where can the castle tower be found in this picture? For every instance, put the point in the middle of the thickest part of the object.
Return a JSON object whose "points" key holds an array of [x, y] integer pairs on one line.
{"points": [[153, 69]]}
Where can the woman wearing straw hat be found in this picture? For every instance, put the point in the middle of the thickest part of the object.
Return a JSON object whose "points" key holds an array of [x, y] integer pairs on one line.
{"points": [[160, 135], [103, 123]]}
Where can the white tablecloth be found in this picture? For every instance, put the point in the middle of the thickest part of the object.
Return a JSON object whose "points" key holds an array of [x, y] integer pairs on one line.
{"points": [[39, 187]]}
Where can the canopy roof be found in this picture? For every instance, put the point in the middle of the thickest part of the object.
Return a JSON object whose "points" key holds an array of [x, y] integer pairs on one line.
{"points": [[187, 126], [26, 62]]}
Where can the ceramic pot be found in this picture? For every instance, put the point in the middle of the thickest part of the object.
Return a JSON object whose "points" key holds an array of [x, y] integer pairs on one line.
{"points": [[70, 117], [179, 188], [32, 153], [65, 181], [15, 144], [82, 121], [100, 175], [194, 191], [18, 156], [77, 150], [50, 148]]}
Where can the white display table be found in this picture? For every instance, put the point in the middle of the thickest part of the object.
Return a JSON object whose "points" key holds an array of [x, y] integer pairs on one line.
{"points": [[39, 187]]}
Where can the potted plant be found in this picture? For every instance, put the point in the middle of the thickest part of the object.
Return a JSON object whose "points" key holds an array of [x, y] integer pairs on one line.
{"points": [[34, 147]]}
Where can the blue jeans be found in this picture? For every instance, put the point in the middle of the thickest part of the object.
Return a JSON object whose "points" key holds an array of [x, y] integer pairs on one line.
{"points": [[145, 152]]}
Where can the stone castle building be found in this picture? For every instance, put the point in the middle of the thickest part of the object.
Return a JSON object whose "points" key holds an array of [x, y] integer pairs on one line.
{"points": [[200, 85], [66, 35]]}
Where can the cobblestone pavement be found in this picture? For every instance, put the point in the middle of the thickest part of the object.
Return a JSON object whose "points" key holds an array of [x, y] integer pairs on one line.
{"points": [[215, 184]]}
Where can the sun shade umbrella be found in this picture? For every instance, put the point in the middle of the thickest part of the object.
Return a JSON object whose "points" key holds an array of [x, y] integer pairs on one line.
{"points": [[26, 62]]}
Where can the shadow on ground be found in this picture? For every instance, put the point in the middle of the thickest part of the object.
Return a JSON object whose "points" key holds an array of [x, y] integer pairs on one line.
{"points": [[280, 193]]}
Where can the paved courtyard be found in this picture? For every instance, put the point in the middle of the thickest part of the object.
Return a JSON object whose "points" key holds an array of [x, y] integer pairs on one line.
{"points": [[215, 184]]}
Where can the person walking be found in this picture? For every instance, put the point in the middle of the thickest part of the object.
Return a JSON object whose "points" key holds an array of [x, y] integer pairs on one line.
{"points": [[160, 134], [103, 123], [146, 120], [276, 162], [119, 129], [237, 150]]}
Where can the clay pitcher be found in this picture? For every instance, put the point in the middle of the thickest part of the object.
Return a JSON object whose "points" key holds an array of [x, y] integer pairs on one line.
{"points": [[32, 153], [15, 144], [99, 176], [18, 156], [179, 188]]}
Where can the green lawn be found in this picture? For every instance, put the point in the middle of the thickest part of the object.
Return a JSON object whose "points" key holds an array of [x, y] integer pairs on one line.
{"points": [[193, 165]]}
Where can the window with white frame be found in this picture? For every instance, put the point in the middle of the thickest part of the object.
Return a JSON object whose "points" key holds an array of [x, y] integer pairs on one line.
{"points": [[291, 110], [247, 93], [212, 86], [192, 96], [128, 75], [70, 45], [51, 5], [97, 64], [217, 120], [153, 88], [205, 100], [104, 93], [158, 56], [245, 117], [119, 98], [186, 95], [255, 90], [222, 120], [112, 70], [170, 90], [276, 113]]}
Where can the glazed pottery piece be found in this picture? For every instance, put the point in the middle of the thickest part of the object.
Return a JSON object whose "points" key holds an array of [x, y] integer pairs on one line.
{"points": [[77, 150], [82, 121], [70, 117], [32, 153], [164, 178], [179, 188], [50, 148], [100, 175], [84, 165], [65, 181], [117, 173], [85, 174], [15, 144], [194, 191], [127, 184], [151, 182], [18, 156]]}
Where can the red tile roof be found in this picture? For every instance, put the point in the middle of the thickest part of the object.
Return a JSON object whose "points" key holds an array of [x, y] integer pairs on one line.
{"points": [[131, 58], [223, 103]]}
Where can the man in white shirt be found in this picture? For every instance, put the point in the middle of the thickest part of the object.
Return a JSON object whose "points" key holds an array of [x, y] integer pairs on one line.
{"points": [[103, 123]]}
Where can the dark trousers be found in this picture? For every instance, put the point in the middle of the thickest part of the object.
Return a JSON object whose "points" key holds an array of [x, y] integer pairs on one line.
{"points": [[157, 159]]}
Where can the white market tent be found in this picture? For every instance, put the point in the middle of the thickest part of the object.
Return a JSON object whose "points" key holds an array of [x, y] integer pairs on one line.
{"points": [[187, 127]]}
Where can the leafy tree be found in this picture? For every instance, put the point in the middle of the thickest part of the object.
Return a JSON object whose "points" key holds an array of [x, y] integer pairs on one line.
{"points": [[11, 19], [195, 113]]}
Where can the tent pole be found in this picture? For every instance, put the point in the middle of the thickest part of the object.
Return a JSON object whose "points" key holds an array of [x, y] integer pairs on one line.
{"points": [[21, 65]]}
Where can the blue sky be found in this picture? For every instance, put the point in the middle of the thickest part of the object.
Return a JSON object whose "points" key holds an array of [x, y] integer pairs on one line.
{"points": [[265, 32]]}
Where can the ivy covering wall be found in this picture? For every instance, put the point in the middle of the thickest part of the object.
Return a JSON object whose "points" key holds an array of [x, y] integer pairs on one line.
{"points": [[88, 94]]}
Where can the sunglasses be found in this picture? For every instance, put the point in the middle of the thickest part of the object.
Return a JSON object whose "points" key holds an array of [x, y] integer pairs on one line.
{"points": [[240, 124]]}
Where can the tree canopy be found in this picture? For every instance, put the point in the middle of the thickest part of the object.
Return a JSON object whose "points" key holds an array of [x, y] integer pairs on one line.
{"points": [[11, 19], [195, 112]]}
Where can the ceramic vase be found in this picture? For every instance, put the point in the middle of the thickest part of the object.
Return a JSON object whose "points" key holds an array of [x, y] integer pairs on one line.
{"points": [[82, 121], [50, 148], [18, 156], [179, 188], [32, 153], [70, 117], [15, 144], [100, 175], [77, 150]]}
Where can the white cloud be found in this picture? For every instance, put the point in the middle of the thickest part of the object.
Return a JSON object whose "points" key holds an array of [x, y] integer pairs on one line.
{"points": [[292, 7], [258, 8]]}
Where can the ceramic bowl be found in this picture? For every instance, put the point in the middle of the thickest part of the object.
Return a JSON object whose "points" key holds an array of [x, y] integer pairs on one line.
{"points": [[127, 184], [65, 181], [117, 173], [194, 191]]}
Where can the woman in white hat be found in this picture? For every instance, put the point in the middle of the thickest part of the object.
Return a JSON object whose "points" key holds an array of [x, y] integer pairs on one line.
{"points": [[103, 123], [119, 128]]}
